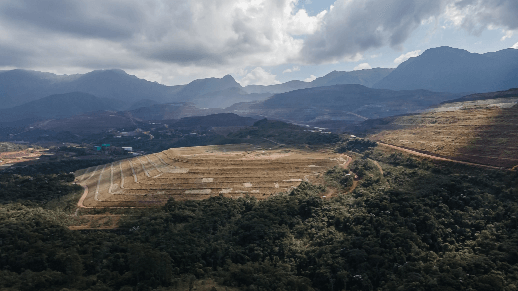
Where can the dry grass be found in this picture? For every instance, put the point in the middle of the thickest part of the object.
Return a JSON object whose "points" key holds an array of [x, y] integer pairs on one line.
{"points": [[478, 134]]}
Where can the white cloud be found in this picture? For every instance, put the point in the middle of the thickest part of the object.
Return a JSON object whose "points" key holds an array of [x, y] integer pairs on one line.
{"points": [[294, 69], [508, 34], [354, 26], [301, 23], [310, 78], [477, 15], [406, 56], [362, 66], [515, 46], [259, 76], [191, 37], [376, 56], [174, 42], [454, 15]]}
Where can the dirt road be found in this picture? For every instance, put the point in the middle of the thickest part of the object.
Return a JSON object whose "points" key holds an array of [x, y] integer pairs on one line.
{"points": [[437, 158], [82, 199]]}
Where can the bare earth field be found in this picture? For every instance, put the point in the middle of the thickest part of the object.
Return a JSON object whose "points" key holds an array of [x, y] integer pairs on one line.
{"points": [[201, 172], [477, 132], [10, 158]]}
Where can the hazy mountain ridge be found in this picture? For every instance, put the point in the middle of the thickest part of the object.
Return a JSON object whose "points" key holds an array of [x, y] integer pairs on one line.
{"points": [[350, 103], [367, 77], [226, 98], [90, 123], [200, 87], [18, 87], [170, 111], [57, 106], [214, 120], [21, 86], [513, 92], [117, 84], [446, 69], [440, 69]]}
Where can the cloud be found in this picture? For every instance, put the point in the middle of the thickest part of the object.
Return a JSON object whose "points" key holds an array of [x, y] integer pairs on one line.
{"points": [[176, 41], [258, 76], [508, 34], [477, 15], [515, 46], [294, 69], [352, 27], [310, 78], [183, 37], [362, 66], [406, 56]]}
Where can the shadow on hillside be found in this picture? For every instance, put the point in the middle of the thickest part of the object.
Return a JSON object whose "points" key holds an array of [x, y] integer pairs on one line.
{"points": [[496, 144]]}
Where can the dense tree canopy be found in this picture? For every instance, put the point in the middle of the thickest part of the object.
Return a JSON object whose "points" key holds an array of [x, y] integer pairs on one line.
{"points": [[416, 226]]}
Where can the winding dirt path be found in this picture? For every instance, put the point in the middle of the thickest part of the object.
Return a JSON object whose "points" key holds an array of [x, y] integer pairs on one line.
{"points": [[80, 203], [82, 199], [437, 158], [355, 184], [377, 165]]}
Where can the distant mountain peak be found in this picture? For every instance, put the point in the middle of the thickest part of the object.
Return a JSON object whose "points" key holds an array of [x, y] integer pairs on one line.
{"points": [[108, 71], [447, 69], [445, 50], [228, 77]]}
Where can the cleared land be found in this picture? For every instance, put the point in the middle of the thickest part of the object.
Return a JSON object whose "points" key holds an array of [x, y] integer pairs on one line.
{"points": [[201, 172], [481, 132], [10, 158]]}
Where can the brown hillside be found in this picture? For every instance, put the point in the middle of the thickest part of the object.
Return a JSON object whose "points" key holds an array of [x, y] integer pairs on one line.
{"points": [[469, 131], [199, 173]]}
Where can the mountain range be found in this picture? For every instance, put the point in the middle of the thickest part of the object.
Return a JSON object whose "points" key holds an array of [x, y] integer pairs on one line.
{"points": [[57, 106], [366, 77], [28, 96], [21, 86], [446, 69], [18, 87], [346, 103]]}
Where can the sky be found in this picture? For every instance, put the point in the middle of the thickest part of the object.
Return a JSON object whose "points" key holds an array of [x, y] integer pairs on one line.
{"points": [[263, 42]]}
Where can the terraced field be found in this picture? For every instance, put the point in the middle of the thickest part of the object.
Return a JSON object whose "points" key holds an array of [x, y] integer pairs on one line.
{"points": [[199, 173], [480, 132]]}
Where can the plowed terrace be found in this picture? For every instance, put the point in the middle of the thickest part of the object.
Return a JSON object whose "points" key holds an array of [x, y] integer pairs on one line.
{"points": [[469, 131], [199, 173]]}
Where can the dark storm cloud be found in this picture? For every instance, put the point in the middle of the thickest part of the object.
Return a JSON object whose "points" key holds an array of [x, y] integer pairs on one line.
{"points": [[96, 19], [182, 32], [186, 56], [14, 56]]}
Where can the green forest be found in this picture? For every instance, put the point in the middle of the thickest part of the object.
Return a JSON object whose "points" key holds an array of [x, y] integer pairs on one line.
{"points": [[411, 225]]}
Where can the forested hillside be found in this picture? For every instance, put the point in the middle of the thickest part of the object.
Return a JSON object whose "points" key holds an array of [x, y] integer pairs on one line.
{"points": [[408, 225]]}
